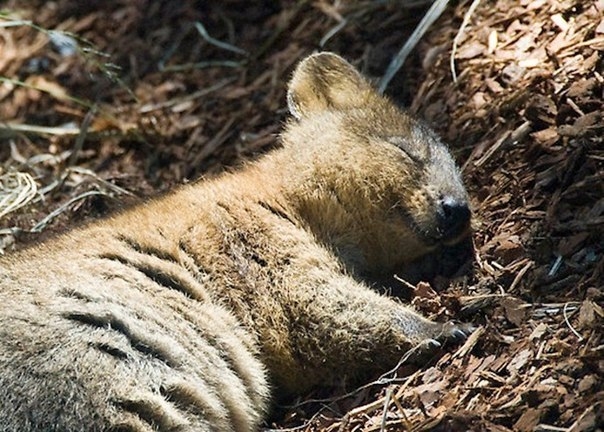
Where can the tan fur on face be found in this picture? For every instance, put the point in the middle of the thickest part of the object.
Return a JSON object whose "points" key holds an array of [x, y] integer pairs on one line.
{"points": [[184, 313], [381, 181]]}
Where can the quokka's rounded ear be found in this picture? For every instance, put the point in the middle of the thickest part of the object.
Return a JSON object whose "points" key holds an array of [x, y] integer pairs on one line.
{"points": [[325, 81]]}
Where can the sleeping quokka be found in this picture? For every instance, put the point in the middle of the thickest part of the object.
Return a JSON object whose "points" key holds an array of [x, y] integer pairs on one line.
{"points": [[188, 312]]}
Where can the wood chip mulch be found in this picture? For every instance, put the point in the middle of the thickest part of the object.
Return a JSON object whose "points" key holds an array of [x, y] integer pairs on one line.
{"points": [[112, 101]]}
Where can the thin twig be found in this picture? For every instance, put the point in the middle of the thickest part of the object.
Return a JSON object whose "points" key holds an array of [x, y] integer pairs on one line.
{"points": [[202, 65], [332, 32], [382, 380], [520, 275], [564, 312], [8, 130], [44, 222], [507, 139], [39, 130], [14, 23], [61, 97], [189, 97], [107, 184], [223, 45], [18, 189], [464, 24], [385, 412], [432, 15], [79, 142]]}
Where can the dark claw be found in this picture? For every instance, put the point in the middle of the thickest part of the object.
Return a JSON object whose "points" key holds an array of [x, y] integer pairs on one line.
{"points": [[433, 343], [457, 331], [428, 345]]}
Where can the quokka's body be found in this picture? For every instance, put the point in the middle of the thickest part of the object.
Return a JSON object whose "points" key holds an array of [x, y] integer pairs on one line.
{"points": [[187, 312]]}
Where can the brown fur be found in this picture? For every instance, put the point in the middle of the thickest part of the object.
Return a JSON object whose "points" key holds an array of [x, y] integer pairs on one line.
{"points": [[177, 314]]}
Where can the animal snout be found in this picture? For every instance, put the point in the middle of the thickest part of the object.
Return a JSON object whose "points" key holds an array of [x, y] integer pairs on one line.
{"points": [[454, 217]]}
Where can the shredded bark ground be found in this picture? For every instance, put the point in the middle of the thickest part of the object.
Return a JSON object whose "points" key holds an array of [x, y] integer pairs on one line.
{"points": [[103, 103]]}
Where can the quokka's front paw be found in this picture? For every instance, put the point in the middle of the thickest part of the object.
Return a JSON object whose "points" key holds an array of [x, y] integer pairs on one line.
{"points": [[453, 330], [448, 331], [417, 329]]}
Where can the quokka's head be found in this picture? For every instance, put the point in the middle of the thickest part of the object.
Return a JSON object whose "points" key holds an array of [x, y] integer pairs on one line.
{"points": [[379, 185]]}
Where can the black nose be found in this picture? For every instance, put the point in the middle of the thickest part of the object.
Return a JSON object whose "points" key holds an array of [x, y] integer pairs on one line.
{"points": [[454, 217]]}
